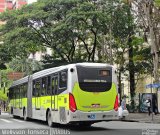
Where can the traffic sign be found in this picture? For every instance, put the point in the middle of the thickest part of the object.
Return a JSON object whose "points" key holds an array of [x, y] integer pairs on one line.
{"points": [[155, 85]]}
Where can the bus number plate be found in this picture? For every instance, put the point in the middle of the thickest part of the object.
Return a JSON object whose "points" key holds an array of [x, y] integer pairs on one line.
{"points": [[92, 116], [95, 105]]}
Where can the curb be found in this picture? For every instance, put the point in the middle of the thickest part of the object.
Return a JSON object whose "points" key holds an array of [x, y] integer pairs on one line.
{"points": [[153, 122], [126, 120]]}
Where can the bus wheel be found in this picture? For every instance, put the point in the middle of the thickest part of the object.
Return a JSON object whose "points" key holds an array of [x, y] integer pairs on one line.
{"points": [[25, 115], [15, 116], [49, 119], [123, 118]]}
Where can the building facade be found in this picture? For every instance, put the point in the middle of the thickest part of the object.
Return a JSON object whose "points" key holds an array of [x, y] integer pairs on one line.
{"points": [[11, 4]]}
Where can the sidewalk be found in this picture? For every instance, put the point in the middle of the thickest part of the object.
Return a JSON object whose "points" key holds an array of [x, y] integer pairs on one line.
{"points": [[143, 117], [4, 113]]}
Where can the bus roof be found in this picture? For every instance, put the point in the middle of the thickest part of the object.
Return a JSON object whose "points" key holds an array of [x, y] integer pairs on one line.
{"points": [[56, 69], [20, 81]]}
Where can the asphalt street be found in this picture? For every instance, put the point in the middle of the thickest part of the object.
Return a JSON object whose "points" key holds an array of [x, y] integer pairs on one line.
{"points": [[7, 122]]}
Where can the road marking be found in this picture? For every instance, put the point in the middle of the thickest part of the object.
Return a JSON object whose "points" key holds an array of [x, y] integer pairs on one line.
{"points": [[6, 120], [17, 120]]}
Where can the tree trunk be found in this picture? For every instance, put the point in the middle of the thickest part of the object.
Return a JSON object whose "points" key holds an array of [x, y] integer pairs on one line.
{"points": [[120, 86], [131, 62], [154, 49], [131, 74]]}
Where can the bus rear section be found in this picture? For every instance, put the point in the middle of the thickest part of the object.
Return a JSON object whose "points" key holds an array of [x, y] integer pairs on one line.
{"points": [[94, 96]]}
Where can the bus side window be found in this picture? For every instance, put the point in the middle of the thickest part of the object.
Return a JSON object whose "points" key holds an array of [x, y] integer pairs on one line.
{"points": [[18, 90], [34, 89], [10, 93], [13, 95], [25, 90], [49, 85], [17, 94], [43, 86], [53, 86], [56, 85], [62, 81], [22, 91], [38, 88]]}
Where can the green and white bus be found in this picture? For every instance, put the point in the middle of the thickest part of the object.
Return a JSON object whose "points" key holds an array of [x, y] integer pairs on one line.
{"points": [[81, 93]]}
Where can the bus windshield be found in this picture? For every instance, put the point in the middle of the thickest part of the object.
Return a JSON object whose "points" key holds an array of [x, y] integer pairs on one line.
{"points": [[94, 79]]}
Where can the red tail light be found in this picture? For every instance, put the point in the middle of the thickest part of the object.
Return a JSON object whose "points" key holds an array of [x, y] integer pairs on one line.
{"points": [[116, 104], [72, 103]]}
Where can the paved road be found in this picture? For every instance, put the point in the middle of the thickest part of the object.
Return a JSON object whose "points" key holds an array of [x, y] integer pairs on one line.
{"points": [[104, 128]]}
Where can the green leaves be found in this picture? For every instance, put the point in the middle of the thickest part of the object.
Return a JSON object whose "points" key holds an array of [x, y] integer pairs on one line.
{"points": [[75, 30], [27, 66], [64, 26], [3, 96], [157, 3]]}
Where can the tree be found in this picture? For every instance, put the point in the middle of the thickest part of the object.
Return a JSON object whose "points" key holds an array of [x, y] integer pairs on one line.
{"points": [[75, 30], [64, 26], [18, 41], [149, 20], [26, 66], [4, 57], [4, 84]]}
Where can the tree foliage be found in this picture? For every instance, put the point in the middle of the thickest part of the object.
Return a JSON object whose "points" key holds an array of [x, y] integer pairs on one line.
{"points": [[26, 66], [68, 27], [76, 31], [148, 20]]}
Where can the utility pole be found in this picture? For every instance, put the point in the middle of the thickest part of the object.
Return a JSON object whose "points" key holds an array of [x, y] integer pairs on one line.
{"points": [[151, 100]]}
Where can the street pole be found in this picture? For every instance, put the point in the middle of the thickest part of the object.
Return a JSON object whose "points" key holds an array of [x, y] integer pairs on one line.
{"points": [[151, 98], [151, 104]]}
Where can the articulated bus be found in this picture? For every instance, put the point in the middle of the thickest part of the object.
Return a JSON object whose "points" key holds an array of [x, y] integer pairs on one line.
{"points": [[81, 94]]}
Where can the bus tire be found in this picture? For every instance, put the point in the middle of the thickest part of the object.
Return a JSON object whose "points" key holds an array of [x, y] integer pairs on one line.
{"points": [[25, 114], [49, 119], [123, 118]]}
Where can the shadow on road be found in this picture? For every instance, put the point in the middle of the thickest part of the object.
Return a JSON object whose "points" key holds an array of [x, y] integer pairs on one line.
{"points": [[81, 129], [65, 127]]}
